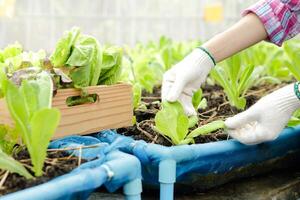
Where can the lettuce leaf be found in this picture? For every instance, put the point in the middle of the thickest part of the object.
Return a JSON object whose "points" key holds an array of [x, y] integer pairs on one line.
{"points": [[172, 122], [111, 66], [86, 59], [11, 50], [10, 164], [13, 58], [63, 47], [80, 56], [43, 125], [8, 139], [30, 108]]}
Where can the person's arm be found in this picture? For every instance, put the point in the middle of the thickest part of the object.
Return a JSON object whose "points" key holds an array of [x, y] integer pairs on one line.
{"points": [[186, 77], [273, 20], [247, 32], [267, 118]]}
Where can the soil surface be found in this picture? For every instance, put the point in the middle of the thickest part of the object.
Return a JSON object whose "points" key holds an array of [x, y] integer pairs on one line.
{"points": [[218, 108], [57, 163]]}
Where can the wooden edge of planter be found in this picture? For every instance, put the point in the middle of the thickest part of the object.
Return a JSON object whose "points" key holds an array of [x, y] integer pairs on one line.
{"points": [[113, 109]]}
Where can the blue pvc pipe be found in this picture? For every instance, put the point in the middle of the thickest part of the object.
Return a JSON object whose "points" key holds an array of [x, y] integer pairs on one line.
{"points": [[191, 161], [166, 191], [63, 187], [133, 189], [167, 178], [118, 169], [128, 174]]}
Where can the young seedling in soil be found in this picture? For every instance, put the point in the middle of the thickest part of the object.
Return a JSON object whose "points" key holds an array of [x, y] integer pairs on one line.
{"points": [[217, 110], [172, 122], [29, 103], [56, 163]]}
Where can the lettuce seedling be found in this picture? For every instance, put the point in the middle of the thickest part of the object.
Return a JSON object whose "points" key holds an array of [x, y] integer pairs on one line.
{"points": [[236, 77], [273, 60], [291, 50], [168, 52], [172, 122], [198, 101], [8, 139], [10, 51], [140, 66], [13, 58], [30, 108], [207, 128], [10, 164]]}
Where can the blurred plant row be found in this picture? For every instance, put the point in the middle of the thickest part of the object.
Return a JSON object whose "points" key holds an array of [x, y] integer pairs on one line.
{"points": [[264, 63]]}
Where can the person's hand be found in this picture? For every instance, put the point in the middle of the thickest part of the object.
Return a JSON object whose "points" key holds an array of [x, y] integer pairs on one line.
{"points": [[186, 77], [266, 119]]}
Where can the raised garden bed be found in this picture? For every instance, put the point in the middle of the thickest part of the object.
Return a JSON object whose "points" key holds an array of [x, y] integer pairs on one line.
{"points": [[197, 152], [57, 163], [215, 159], [74, 169], [218, 108]]}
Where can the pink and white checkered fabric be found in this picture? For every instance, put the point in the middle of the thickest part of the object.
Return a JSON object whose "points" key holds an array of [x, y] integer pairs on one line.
{"points": [[281, 18]]}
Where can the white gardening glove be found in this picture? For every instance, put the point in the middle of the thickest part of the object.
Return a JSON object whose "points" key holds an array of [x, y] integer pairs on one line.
{"points": [[266, 119], [186, 77]]}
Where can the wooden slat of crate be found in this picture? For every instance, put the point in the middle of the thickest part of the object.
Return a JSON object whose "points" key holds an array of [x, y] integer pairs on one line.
{"points": [[113, 110]]}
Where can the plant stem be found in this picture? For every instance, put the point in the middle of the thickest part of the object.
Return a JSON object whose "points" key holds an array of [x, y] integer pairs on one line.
{"points": [[4, 179], [208, 128]]}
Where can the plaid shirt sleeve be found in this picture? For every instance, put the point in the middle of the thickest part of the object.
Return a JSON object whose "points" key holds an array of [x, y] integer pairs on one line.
{"points": [[280, 18]]}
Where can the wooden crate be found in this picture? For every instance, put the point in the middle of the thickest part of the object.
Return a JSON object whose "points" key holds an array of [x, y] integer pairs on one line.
{"points": [[114, 109]]}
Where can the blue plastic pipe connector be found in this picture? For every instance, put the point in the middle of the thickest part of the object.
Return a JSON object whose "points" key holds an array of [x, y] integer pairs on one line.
{"points": [[167, 178], [133, 190]]}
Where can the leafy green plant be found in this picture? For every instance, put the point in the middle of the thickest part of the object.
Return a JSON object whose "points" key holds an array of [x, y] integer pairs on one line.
{"points": [[137, 95], [10, 51], [144, 65], [80, 56], [8, 138], [274, 61], [172, 122], [63, 48], [206, 129], [111, 65], [140, 66], [30, 108], [168, 52], [10, 164], [13, 58], [236, 78], [291, 50], [295, 119], [198, 101]]}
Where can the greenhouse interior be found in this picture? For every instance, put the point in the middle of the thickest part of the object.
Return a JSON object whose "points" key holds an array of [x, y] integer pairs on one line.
{"points": [[149, 99]]}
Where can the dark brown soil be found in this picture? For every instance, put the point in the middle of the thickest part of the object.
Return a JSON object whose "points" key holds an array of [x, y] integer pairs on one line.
{"points": [[57, 163], [218, 108], [155, 93]]}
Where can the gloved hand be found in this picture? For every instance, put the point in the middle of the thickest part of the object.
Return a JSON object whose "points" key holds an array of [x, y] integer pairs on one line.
{"points": [[186, 77], [265, 119]]}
